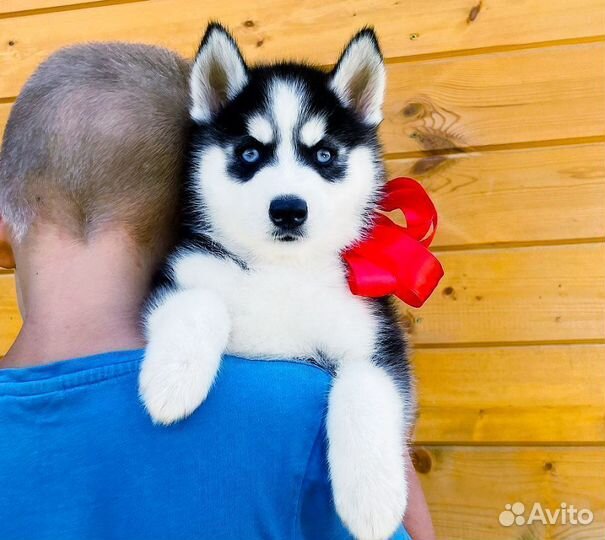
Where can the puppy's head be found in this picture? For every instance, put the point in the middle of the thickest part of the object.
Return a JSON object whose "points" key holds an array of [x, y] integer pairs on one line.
{"points": [[285, 157]]}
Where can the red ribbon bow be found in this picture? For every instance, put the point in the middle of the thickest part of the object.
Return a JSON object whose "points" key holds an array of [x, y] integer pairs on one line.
{"points": [[394, 259]]}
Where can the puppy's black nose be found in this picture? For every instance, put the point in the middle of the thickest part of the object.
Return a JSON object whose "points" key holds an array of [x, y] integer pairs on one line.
{"points": [[288, 212]]}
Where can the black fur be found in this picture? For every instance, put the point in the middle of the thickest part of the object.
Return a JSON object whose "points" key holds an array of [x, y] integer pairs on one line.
{"points": [[392, 353]]}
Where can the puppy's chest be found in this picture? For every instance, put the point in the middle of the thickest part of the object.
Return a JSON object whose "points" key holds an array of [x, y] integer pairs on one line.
{"points": [[290, 301], [279, 311]]}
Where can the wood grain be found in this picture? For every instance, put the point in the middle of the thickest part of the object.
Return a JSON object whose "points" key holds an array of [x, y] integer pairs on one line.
{"points": [[468, 487], [553, 293], [528, 195], [314, 29], [547, 394], [495, 99]]}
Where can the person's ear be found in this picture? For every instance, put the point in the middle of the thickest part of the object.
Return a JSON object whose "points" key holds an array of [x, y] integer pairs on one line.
{"points": [[359, 77], [218, 74], [7, 258]]}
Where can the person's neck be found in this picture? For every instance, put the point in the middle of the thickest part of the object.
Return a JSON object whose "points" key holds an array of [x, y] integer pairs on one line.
{"points": [[77, 298]]}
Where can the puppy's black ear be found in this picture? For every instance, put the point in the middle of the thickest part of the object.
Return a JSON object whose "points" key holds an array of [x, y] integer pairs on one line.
{"points": [[359, 77], [218, 74]]}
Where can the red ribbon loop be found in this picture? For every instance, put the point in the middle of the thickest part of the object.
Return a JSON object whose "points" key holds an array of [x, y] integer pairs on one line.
{"points": [[395, 259]]}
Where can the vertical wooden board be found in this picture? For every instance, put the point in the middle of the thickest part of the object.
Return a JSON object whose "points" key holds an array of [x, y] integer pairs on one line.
{"points": [[493, 99], [313, 29], [544, 294], [527, 195], [10, 321], [468, 487], [507, 395]]}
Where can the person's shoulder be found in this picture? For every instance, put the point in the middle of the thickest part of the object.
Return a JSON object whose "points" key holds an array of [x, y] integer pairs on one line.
{"points": [[278, 406], [289, 384], [306, 370]]}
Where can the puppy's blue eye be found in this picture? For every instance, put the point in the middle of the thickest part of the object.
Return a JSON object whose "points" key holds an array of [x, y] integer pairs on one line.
{"points": [[323, 156], [250, 155]]}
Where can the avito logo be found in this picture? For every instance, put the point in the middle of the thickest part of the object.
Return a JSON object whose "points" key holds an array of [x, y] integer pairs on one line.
{"points": [[565, 514]]}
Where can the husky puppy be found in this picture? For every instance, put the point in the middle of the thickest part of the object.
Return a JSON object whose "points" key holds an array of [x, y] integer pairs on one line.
{"points": [[286, 173]]}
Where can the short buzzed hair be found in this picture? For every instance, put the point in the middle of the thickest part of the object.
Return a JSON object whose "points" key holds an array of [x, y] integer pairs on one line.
{"points": [[97, 139]]}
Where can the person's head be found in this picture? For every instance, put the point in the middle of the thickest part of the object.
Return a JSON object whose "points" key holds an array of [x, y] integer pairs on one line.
{"points": [[94, 145]]}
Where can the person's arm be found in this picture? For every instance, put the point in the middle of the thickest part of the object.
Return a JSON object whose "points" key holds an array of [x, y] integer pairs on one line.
{"points": [[417, 519]]}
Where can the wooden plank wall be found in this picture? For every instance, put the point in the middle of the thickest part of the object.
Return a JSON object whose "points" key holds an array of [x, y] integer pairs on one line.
{"points": [[497, 107]]}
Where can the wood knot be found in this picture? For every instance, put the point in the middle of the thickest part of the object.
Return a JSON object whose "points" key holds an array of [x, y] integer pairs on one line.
{"points": [[548, 466], [474, 12], [11, 43], [424, 165], [260, 42], [407, 321], [249, 23], [421, 460], [450, 292], [413, 110], [432, 127]]}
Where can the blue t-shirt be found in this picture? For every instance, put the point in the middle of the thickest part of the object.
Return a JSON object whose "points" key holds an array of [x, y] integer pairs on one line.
{"points": [[80, 459]]}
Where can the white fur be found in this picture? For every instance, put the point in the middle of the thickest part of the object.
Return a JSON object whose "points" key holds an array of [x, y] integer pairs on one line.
{"points": [[366, 441], [260, 128], [187, 335], [219, 55], [260, 303], [313, 131], [286, 100], [360, 79]]}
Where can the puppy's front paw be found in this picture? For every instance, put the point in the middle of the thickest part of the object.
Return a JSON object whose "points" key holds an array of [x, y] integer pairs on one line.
{"points": [[188, 334], [172, 385], [366, 445]]}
